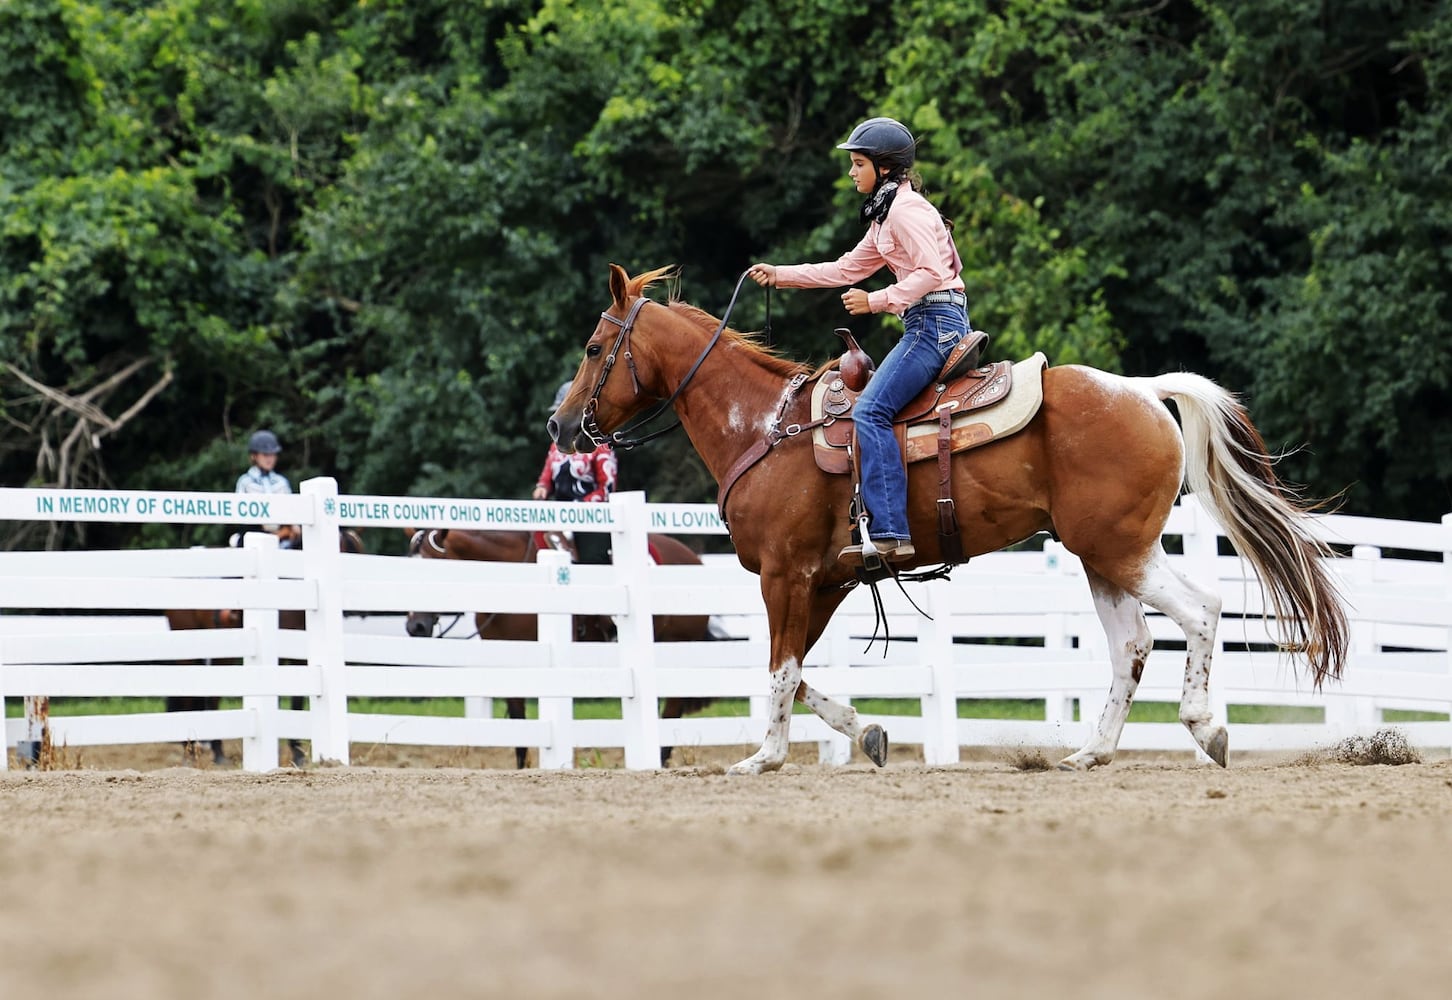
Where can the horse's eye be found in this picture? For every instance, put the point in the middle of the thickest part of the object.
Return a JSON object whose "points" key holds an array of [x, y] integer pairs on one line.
{"points": [[593, 351]]}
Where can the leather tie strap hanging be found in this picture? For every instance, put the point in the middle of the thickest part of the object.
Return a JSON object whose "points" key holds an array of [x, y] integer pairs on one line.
{"points": [[950, 543]]}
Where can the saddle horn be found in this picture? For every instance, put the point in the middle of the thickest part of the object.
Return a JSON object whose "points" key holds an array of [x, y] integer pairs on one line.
{"points": [[855, 364]]}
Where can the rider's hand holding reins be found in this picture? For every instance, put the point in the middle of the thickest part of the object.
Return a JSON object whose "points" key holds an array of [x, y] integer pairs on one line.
{"points": [[762, 274], [855, 300]]}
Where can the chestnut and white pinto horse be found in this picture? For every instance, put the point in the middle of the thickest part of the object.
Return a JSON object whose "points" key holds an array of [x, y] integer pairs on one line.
{"points": [[1100, 465]]}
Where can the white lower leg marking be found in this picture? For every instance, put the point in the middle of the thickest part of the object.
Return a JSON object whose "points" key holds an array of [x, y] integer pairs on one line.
{"points": [[1196, 610], [773, 752], [1129, 647], [840, 717]]}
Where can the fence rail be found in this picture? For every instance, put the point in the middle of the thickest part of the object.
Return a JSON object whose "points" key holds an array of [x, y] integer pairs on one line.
{"points": [[1016, 624]]}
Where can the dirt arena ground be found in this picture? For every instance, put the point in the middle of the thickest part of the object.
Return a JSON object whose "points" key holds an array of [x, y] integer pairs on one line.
{"points": [[431, 877]]}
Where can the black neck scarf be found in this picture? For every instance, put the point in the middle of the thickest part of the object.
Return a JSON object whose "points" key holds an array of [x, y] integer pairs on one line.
{"points": [[874, 209]]}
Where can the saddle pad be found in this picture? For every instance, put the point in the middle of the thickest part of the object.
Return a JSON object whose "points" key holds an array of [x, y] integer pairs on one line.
{"points": [[970, 430]]}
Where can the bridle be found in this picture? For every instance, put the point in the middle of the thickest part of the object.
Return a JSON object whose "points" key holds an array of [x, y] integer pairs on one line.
{"points": [[621, 348]]}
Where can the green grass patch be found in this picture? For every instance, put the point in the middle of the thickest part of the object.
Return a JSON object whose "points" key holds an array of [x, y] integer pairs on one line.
{"points": [[1402, 715], [604, 708]]}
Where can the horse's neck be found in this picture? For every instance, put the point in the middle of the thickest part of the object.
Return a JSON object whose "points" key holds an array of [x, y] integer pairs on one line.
{"points": [[489, 546], [728, 405]]}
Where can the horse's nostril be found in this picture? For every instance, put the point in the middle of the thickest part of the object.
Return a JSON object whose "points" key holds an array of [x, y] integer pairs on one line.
{"points": [[554, 428]]}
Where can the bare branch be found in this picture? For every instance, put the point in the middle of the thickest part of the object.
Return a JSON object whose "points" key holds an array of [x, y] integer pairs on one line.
{"points": [[121, 376], [146, 397], [76, 405]]}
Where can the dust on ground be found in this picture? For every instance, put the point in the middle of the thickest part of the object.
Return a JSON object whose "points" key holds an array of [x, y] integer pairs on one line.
{"points": [[436, 877]]}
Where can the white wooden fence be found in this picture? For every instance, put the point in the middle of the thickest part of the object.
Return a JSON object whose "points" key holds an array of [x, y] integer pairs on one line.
{"points": [[1009, 625]]}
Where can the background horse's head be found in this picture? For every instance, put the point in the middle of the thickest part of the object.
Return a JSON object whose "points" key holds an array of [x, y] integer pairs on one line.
{"points": [[616, 379], [425, 543]]}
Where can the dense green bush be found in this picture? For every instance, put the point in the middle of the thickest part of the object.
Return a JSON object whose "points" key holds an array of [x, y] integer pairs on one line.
{"points": [[382, 229]]}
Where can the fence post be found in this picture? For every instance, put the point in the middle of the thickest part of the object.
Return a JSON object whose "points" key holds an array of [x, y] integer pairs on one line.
{"points": [[259, 751], [935, 648], [1355, 711], [1447, 583], [636, 631], [4, 726], [1058, 561], [836, 642], [557, 631], [322, 564]]}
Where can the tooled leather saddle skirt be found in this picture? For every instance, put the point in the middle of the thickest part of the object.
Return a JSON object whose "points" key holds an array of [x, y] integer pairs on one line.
{"points": [[985, 404]]}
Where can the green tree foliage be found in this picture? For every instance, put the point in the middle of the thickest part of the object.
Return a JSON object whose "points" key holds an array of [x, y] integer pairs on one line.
{"points": [[382, 228]]}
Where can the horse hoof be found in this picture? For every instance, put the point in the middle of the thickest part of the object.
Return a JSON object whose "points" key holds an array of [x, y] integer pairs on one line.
{"points": [[1219, 747], [874, 744], [1080, 762]]}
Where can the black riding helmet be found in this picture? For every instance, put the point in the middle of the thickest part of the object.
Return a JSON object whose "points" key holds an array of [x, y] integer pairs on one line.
{"points": [[263, 443], [885, 141]]}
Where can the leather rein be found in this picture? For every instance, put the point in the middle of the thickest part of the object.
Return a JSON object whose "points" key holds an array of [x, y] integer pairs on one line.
{"points": [[621, 348]]}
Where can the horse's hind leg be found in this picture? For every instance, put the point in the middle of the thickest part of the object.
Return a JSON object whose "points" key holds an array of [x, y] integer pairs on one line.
{"points": [[1129, 646], [1196, 610]]}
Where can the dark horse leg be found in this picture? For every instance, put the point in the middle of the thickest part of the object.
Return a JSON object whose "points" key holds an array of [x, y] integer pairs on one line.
{"points": [[190, 747], [295, 750], [674, 708], [184, 620], [514, 709]]}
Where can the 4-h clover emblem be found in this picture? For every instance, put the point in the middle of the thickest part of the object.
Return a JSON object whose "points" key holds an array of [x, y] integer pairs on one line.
{"points": [[329, 506]]}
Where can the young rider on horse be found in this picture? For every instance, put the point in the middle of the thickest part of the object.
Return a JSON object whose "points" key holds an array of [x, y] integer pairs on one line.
{"points": [[262, 477], [588, 477], [906, 234]]}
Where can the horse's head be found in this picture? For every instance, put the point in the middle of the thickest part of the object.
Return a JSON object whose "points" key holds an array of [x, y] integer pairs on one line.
{"points": [[603, 398], [425, 543], [428, 543]]}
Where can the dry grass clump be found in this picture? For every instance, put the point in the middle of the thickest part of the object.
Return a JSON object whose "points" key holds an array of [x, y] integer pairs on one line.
{"points": [[1385, 746]]}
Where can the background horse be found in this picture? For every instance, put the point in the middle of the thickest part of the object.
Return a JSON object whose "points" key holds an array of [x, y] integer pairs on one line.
{"points": [[519, 546], [191, 618], [1099, 465]]}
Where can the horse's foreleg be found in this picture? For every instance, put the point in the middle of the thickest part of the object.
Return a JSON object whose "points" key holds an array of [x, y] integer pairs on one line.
{"points": [[872, 738], [787, 686], [789, 615], [1129, 647]]}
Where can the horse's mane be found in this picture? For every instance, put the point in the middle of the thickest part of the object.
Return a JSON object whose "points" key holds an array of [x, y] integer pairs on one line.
{"points": [[765, 356]]}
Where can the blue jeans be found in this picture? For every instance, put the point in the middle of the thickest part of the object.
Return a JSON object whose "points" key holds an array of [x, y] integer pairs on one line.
{"points": [[931, 330]]}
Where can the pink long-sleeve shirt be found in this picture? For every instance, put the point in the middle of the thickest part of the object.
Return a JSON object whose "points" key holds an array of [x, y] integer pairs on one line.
{"points": [[912, 241]]}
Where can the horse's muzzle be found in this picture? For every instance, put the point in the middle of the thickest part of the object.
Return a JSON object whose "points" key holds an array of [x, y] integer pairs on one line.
{"points": [[568, 433], [420, 624]]}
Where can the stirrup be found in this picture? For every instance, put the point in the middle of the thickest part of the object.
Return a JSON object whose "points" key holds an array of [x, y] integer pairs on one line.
{"points": [[872, 555]]}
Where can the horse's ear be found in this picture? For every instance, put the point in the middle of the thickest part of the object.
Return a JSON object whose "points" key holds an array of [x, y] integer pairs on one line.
{"points": [[619, 280]]}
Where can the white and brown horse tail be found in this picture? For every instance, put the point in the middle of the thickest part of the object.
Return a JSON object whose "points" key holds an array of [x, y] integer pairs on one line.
{"points": [[1228, 467]]}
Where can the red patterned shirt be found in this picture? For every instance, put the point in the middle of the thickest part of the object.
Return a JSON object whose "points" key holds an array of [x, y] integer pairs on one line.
{"points": [[588, 476]]}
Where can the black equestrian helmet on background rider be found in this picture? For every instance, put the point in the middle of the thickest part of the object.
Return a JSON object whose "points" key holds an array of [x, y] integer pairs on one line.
{"points": [[885, 141], [263, 443]]}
